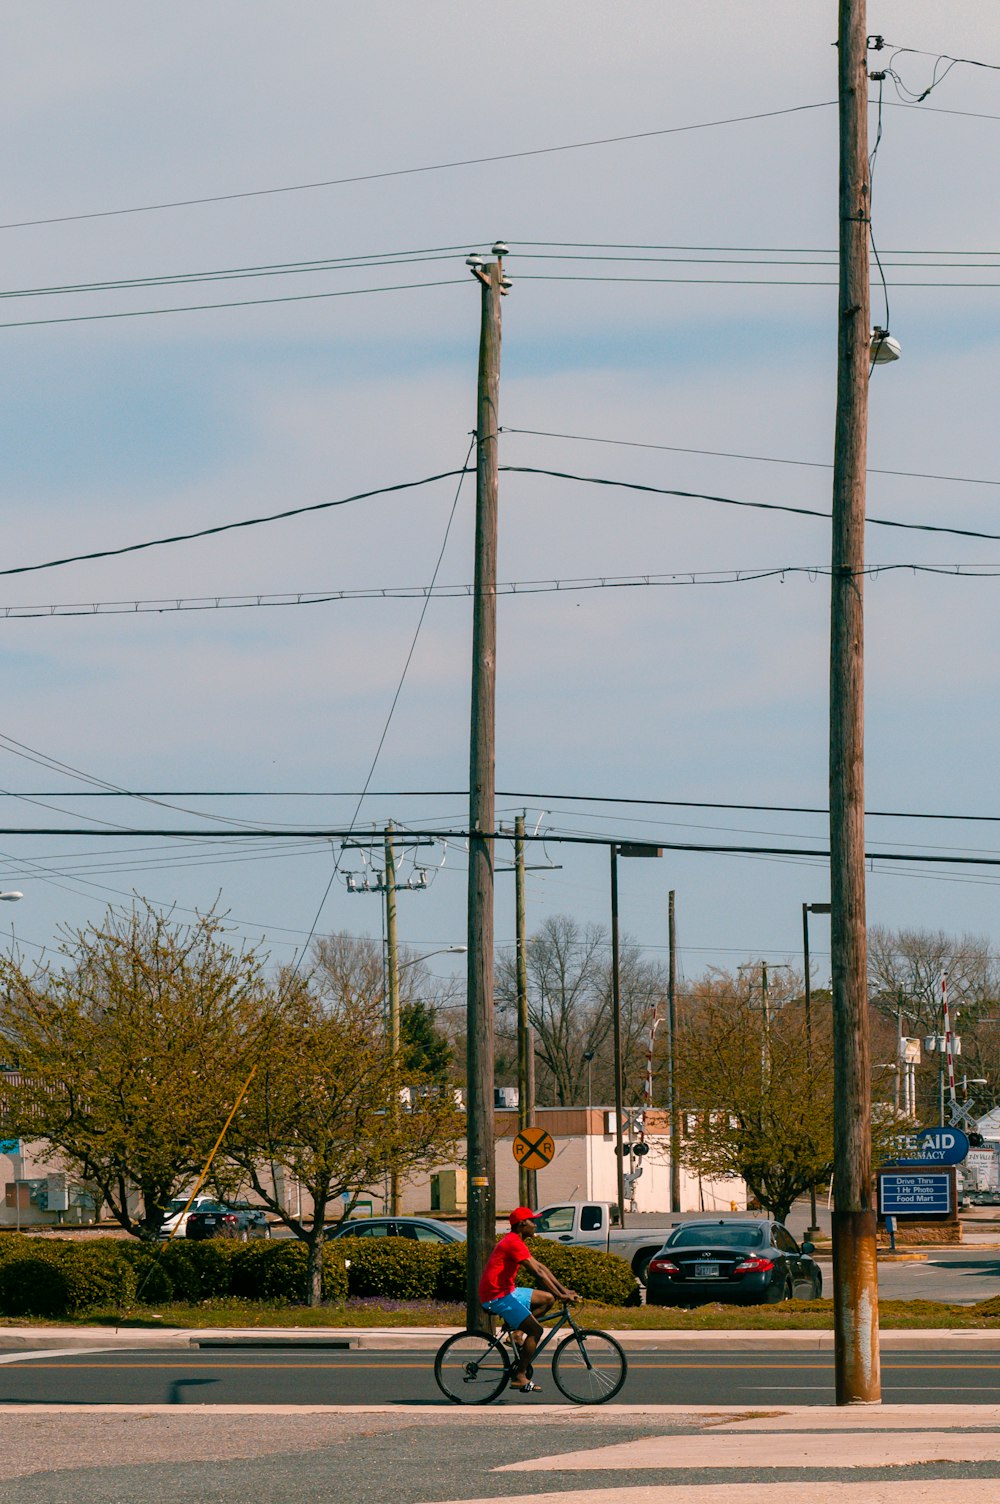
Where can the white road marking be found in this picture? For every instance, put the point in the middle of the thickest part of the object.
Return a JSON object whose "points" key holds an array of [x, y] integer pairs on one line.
{"points": [[53, 1352], [775, 1450], [933, 1491]]}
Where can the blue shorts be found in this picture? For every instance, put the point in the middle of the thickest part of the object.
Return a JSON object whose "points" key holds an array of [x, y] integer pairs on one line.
{"points": [[515, 1308]]}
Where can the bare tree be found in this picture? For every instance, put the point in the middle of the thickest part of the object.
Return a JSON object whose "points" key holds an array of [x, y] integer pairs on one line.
{"points": [[569, 1008]]}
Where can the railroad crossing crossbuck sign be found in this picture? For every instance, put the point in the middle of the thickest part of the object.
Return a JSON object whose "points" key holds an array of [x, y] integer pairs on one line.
{"points": [[533, 1148]]}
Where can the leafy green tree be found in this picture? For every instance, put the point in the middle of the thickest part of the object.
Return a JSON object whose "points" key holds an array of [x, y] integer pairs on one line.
{"points": [[756, 1096], [330, 1112], [752, 1105], [426, 1050], [127, 1052]]}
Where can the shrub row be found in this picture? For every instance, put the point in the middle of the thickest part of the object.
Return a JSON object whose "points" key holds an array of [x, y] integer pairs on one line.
{"points": [[58, 1277]]}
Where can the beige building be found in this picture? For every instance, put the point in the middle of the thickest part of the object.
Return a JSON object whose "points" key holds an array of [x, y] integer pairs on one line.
{"points": [[584, 1168]]}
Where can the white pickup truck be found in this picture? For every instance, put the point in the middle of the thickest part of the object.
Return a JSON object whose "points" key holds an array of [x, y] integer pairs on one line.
{"points": [[594, 1224]]}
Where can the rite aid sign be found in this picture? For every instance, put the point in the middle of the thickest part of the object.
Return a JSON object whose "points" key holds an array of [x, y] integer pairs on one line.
{"points": [[938, 1146]]}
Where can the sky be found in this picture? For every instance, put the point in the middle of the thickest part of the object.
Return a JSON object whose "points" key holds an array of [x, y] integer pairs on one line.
{"points": [[150, 144]]}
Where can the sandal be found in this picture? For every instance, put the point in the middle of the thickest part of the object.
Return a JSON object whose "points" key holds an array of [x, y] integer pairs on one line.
{"points": [[528, 1387]]}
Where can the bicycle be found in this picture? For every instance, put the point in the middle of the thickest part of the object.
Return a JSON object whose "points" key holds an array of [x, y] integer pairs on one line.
{"points": [[589, 1367]]}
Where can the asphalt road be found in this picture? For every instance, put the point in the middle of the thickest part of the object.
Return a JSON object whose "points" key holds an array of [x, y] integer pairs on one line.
{"points": [[960, 1276], [406, 1378]]}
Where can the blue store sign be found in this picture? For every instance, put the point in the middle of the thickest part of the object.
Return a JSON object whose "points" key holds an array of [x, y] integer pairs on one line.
{"points": [[938, 1146], [905, 1193]]}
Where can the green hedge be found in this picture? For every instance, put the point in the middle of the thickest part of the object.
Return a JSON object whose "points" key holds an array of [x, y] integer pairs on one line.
{"points": [[451, 1272], [60, 1277], [277, 1271], [597, 1276], [197, 1271], [64, 1278], [397, 1267], [603, 1277]]}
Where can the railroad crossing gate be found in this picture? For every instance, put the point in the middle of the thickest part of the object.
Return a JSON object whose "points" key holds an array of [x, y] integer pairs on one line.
{"points": [[533, 1148]]}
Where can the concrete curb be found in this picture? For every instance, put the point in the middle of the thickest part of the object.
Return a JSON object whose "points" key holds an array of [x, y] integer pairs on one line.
{"points": [[428, 1339]]}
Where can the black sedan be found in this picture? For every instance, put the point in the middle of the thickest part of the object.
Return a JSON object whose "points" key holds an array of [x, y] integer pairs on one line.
{"points": [[218, 1219], [737, 1261], [423, 1229]]}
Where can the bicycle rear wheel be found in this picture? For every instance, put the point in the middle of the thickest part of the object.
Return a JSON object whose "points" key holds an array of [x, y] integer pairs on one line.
{"points": [[589, 1367], [471, 1368]]}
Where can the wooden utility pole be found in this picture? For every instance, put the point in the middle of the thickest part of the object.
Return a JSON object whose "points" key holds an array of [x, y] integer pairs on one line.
{"points": [[854, 1271], [526, 1181], [482, 784], [674, 1115], [616, 1024], [392, 981]]}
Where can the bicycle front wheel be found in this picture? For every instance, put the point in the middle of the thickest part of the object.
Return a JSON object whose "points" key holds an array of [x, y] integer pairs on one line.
{"points": [[471, 1368], [589, 1368]]}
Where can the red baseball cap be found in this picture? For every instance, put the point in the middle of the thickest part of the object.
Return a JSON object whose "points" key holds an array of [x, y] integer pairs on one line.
{"points": [[522, 1214]]}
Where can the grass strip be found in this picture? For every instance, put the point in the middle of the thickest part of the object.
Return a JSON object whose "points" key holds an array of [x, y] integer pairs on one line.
{"points": [[790, 1316]]}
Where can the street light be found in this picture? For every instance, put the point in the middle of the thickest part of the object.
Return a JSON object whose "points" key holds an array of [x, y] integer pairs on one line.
{"points": [[626, 849], [807, 909], [446, 950]]}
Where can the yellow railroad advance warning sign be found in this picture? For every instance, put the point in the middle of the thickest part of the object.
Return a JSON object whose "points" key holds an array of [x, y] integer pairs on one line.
{"points": [[533, 1148]]}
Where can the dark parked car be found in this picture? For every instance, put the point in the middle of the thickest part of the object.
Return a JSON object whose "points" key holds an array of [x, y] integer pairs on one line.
{"points": [[216, 1219], [734, 1260], [424, 1229]]}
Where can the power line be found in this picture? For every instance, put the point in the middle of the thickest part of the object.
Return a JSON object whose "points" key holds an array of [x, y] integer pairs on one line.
{"points": [[550, 837], [719, 282], [516, 795], [402, 172], [775, 250], [764, 506], [592, 480], [764, 459], [236, 273], [226, 527], [727, 257], [302, 297], [680, 579]]}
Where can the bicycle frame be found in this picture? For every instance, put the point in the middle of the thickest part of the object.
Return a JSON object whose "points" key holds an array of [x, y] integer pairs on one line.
{"points": [[564, 1318]]}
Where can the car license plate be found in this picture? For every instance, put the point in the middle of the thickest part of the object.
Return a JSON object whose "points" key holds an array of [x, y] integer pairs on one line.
{"points": [[706, 1271]]}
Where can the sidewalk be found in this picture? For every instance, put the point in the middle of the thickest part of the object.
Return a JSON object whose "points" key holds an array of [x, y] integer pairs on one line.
{"points": [[428, 1339]]}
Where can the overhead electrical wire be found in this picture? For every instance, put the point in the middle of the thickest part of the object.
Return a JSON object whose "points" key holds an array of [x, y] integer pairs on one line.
{"points": [[590, 480], [239, 273], [402, 172], [461, 473], [725, 454], [766, 506], [726, 256], [679, 578], [226, 527], [329, 833], [301, 297], [517, 796]]}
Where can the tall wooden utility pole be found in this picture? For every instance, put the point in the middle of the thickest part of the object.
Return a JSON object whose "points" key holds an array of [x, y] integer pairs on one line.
{"points": [[526, 1179], [616, 1035], [674, 1115], [392, 969], [855, 1284], [482, 783]]}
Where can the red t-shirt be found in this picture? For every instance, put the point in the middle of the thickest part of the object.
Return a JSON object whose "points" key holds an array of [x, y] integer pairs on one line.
{"points": [[502, 1266]]}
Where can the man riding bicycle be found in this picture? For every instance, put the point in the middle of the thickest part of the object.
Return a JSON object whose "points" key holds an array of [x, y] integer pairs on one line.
{"points": [[520, 1308]]}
